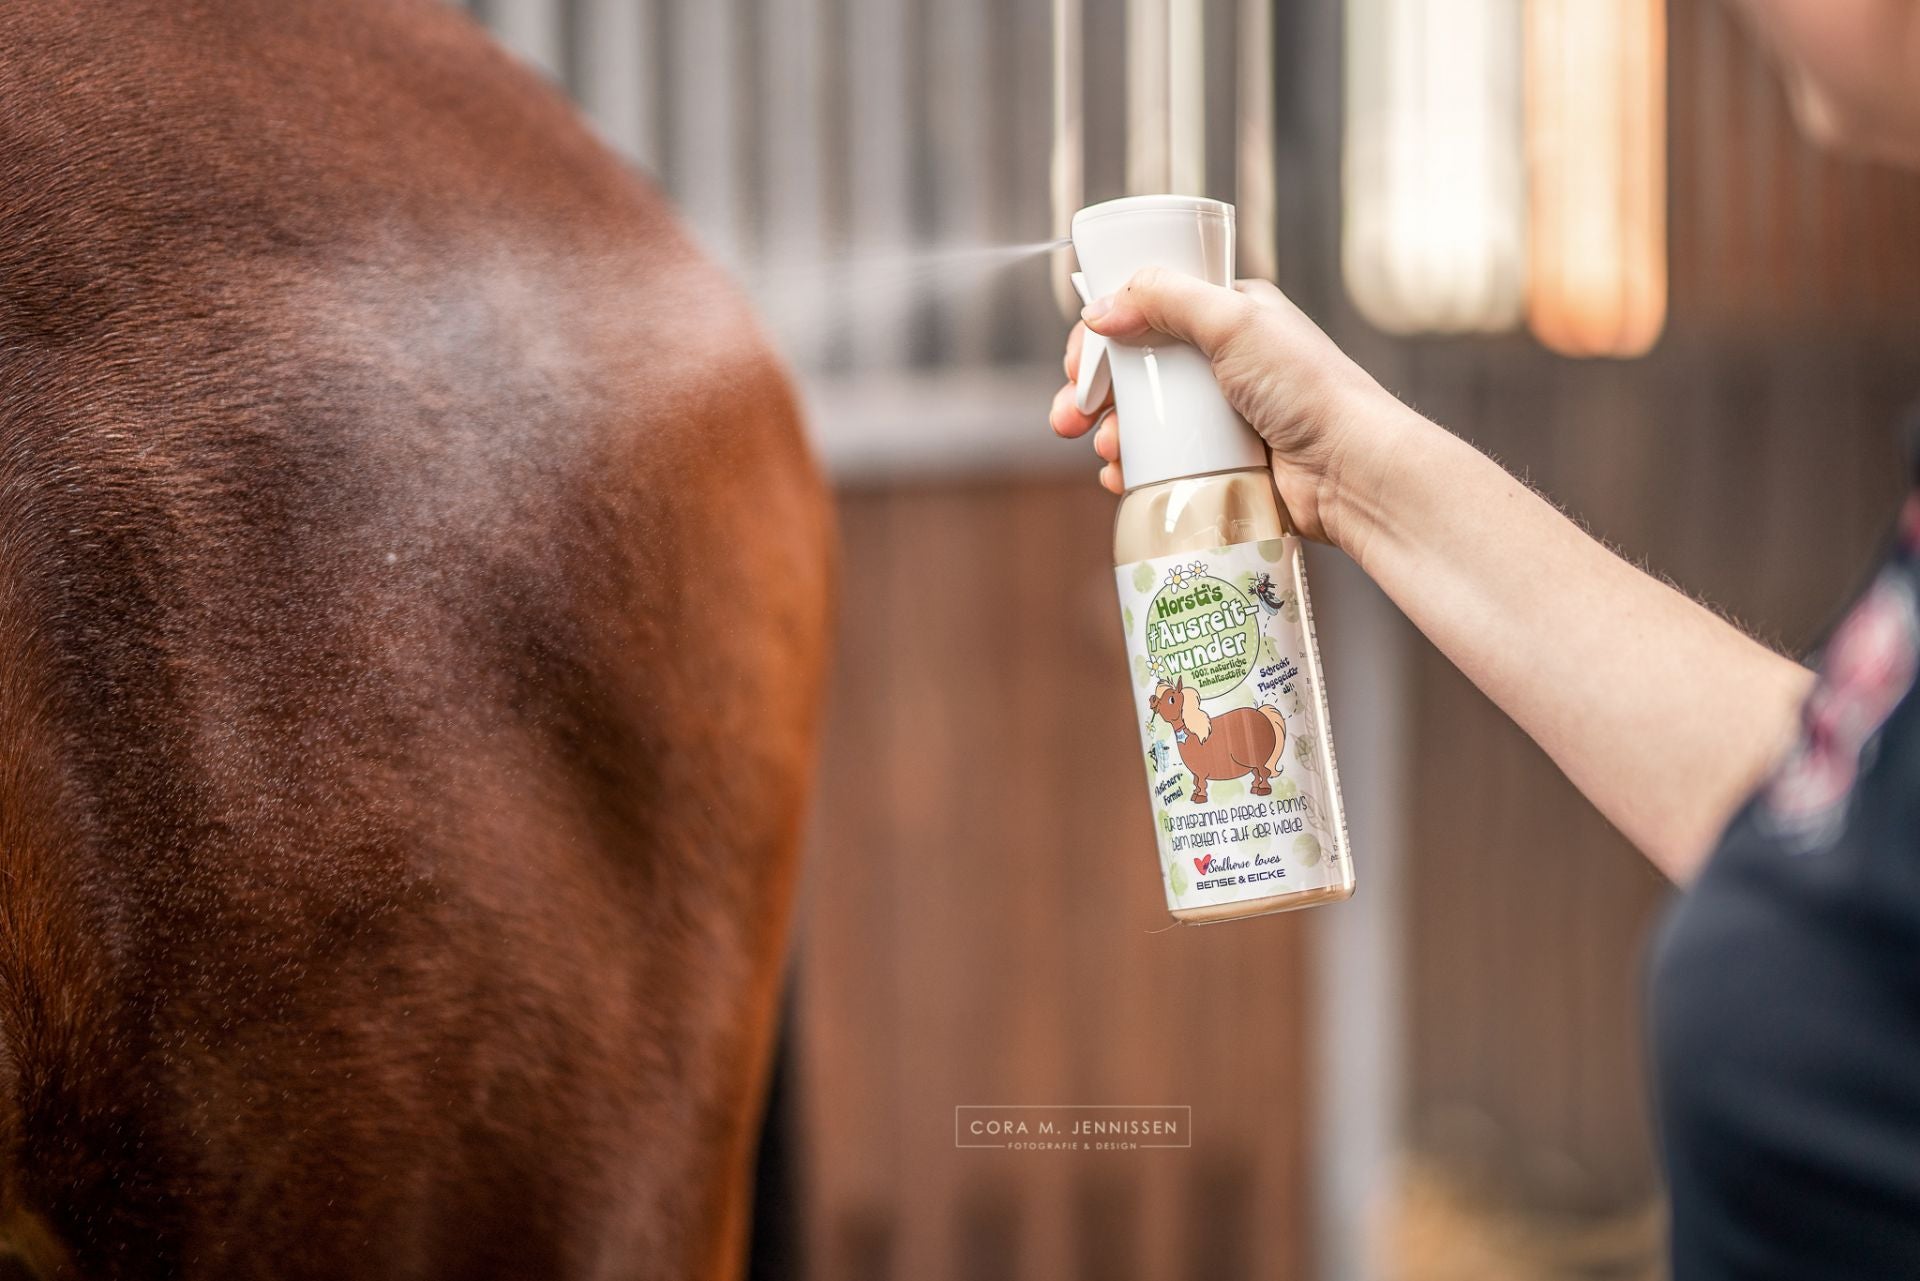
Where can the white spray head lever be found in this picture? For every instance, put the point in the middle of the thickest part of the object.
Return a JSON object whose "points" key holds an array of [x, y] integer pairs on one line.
{"points": [[1174, 421]]}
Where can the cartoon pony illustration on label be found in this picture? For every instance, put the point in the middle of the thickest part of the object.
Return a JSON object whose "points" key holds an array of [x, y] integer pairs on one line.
{"points": [[1246, 740]]}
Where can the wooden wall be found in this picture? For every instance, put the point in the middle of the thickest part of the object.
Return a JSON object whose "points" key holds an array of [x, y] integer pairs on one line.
{"points": [[983, 924]]}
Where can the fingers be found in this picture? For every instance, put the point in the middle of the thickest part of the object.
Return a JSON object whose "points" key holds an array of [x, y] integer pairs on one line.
{"points": [[1065, 417], [1155, 301], [1071, 423], [1106, 438], [1067, 420], [1172, 303]]}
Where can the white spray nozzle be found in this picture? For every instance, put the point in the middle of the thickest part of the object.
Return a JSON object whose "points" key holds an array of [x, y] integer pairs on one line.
{"points": [[1096, 375], [1174, 420]]}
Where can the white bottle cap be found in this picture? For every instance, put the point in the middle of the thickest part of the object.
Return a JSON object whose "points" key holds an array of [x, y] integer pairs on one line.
{"points": [[1174, 421]]}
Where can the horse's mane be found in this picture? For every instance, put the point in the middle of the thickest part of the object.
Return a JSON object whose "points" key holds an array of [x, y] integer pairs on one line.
{"points": [[1198, 723]]}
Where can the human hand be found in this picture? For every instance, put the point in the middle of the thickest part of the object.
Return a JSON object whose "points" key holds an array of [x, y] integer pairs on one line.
{"points": [[1329, 425]]}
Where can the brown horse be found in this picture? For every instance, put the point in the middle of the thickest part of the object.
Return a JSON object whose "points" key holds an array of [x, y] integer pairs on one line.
{"points": [[398, 803], [1246, 740]]}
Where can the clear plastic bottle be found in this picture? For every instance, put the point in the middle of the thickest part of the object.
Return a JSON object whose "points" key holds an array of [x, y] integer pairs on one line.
{"points": [[1213, 595], [1236, 517]]}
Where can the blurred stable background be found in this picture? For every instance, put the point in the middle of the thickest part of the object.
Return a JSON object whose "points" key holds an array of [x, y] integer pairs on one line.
{"points": [[1442, 1079]]}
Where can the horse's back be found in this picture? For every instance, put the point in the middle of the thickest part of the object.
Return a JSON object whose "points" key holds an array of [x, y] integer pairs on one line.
{"points": [[412, 593]]}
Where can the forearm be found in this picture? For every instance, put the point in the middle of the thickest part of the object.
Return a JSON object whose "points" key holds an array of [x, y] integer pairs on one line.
{"points": [[1662, 713]]}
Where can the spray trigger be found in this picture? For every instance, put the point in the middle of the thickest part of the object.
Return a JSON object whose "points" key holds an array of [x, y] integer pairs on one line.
{"points": [[1096, 375]]}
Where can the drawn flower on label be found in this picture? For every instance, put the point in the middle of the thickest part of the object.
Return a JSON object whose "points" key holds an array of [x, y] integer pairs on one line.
{"points": [[1185, 575]]}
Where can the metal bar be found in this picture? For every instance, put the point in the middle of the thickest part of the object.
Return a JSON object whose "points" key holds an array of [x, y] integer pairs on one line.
{"points": [[703, 163], [1067, 174], [617, 74], [1186, 128], [794, 126], [960, 150], [1149, 145], [1255, 191], [880, 175], [532, 29]]}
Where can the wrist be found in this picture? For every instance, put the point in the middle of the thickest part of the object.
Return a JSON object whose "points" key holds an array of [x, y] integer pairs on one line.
{"points": [[1375, 452]]}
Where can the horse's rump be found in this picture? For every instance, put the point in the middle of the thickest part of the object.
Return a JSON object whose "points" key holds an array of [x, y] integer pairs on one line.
{"points": [[412, 601]]}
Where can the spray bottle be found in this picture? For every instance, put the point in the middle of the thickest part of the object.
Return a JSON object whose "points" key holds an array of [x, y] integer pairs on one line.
{"points": [[1213, 595]]}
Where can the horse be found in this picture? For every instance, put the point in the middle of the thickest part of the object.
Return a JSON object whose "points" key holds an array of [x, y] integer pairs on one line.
{"points": [[399, 807], [1229, 745]]}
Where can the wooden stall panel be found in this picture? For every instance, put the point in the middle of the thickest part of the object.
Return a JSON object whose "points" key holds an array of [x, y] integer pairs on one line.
{"points": [[983, 925]]}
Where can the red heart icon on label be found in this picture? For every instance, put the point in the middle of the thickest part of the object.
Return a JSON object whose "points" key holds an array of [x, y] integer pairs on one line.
{"points": [[1202, 864]]}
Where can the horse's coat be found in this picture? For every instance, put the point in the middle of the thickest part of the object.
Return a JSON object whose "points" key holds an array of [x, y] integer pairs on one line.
{"points": [[412, 603]]}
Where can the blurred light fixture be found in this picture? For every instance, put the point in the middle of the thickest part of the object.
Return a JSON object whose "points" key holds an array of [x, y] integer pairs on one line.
{"points": [[1596, 142], [1435, 182]]}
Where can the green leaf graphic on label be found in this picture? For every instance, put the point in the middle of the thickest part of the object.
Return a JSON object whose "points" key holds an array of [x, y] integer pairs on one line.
{"points": [[1143, 577], [1228, 791], [1141, 672], [1177, 877], [1306, 849], [1285, 789], [1272, 549], [1126, 616]]}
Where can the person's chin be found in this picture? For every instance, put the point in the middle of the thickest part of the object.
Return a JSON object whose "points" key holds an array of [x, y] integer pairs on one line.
{"points": [[1852, 132]]}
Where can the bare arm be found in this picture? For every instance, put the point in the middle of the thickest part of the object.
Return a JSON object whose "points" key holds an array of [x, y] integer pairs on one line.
{"points": [[1662, 713], [1657, 709]]}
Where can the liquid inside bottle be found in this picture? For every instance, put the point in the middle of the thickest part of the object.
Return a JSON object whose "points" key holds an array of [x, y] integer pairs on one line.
{"points": [[1228, 685]]}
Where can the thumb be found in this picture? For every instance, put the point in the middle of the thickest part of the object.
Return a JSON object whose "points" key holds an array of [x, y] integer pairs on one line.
{"points": [[1157, 300]]}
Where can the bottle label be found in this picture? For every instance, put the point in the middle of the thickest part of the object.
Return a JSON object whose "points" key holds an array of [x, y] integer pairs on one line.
{"points": [[1227, 684]]}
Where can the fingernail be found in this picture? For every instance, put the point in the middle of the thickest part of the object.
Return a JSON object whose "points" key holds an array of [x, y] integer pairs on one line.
{"points": [[1096, 309]]}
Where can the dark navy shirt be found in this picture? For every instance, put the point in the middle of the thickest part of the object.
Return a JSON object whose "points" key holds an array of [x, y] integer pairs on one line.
{"points": [[1785, 996]]}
